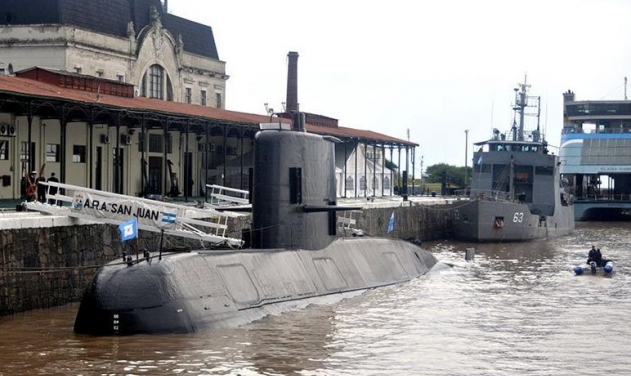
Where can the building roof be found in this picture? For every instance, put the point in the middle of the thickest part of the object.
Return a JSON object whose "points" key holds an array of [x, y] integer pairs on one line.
{"points": [[108, 17], [24, 87]]}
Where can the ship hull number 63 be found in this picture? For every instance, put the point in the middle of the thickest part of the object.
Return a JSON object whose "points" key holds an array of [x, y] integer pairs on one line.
{"points": [[518, 217]]}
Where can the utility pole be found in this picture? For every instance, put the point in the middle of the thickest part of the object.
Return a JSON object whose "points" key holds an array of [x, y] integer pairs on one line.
{"points": [[422, 184]]}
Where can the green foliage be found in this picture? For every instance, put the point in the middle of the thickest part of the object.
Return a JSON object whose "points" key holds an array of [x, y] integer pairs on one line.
{"points": [[390, 165], [453, 174]]}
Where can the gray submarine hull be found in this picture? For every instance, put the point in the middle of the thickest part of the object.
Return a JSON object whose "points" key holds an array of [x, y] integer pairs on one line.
{"points": [[297, 255], [188, 292]]}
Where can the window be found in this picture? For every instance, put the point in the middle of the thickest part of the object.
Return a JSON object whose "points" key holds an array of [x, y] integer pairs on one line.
{"points": [[386, 183], [218, 100], [52, 153], [362, 183], [100, 73], [4, 150], [77, 70], [203, 98], [155, 143], [188, 94], [23, 152], [169, 90], [544, 170], [350, 184], [156, 82], [78, 153], [375, 183], [120, 78], [143, 86]]}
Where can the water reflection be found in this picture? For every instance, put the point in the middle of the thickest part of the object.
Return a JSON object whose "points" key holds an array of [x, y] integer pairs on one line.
{"points": [[518, 309]]}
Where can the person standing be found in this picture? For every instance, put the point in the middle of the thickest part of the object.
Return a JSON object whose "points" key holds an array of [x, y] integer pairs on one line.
{"points": [[41, 188], [30, 190], [52, 190]]}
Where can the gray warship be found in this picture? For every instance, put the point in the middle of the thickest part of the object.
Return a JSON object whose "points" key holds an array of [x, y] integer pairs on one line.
{"points": [[296, 258], [517, 193]]}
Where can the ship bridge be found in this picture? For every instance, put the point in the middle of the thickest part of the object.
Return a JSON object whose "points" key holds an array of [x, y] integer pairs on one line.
{"points": [[595, 156]]}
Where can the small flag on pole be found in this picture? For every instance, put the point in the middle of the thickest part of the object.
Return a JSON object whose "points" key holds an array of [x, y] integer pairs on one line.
{"points": [[391, 223], [479, 160], [129, 229]]}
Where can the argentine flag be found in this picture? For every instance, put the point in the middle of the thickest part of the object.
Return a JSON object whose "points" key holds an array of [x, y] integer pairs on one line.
{"points": [[168, 217], [391, 223], [129, 229]]}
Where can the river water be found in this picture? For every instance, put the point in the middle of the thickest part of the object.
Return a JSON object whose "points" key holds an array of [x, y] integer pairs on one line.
{"points": [[518, 309]]}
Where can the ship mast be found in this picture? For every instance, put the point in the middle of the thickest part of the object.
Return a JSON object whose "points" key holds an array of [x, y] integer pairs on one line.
{"points": [[521, 102]]}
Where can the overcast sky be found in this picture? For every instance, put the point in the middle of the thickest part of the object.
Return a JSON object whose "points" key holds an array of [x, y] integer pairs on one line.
{"points": [[435, 67]]}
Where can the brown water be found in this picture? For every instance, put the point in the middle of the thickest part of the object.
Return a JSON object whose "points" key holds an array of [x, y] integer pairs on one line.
{"points": [[517, 310]]}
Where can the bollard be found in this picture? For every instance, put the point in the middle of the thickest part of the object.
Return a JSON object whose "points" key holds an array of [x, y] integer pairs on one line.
{"points": [[469, 254]]}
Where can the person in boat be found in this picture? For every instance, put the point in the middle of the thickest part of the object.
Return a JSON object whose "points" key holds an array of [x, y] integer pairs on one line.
{"points": [[595, 255]]}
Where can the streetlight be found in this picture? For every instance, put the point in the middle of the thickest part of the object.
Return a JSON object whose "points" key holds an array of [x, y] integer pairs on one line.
{"points": [[466, 159]]}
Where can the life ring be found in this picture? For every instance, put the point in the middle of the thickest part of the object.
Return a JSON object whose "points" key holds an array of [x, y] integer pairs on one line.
{"points": [[499, 223]]}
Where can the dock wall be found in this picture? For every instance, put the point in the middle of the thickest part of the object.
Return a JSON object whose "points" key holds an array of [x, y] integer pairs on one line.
{"points": [[48, 261]]}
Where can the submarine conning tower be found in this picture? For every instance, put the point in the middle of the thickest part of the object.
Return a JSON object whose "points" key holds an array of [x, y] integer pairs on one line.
{"points": [[294, 198]]}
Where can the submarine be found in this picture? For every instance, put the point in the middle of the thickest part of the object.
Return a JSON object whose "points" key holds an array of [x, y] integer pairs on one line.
{"points": [[296, 256]]}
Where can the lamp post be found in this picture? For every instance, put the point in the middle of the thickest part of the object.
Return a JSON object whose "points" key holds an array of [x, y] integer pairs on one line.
{"points": [[422, 182], [466, 158]]}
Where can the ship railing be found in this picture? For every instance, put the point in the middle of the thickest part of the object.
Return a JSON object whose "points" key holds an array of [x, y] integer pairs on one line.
{"points": [[604, 197], [348, 223], [207, 225], [221, 195], [489, 195]]}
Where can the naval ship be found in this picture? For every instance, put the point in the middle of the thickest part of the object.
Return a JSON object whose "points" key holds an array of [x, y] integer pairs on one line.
{"points": [[517, 193], [297, 257]]}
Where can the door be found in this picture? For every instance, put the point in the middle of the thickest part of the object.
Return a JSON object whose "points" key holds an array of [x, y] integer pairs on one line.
{"points": [[99, 168], [188, 174], [118, 170], [155, 175]]}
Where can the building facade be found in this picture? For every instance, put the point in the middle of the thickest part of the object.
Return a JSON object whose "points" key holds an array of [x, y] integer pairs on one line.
{"points": [[133, 41], [122, 96]]}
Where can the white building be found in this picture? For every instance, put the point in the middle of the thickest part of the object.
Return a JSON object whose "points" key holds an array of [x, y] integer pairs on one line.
{"points": [[132, 41]]}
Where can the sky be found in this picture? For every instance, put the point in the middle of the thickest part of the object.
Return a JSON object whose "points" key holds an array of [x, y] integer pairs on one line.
{"points": [[436, 68]]}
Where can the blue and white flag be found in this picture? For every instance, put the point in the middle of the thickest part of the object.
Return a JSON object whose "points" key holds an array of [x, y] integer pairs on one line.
{"points": [[479, 160], [391, 223], [129, 229], [168, 217]]}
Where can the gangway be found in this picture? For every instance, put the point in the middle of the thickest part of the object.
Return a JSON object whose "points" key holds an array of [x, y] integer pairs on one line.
{"points": [[207, 225], [348, 223], [221, 195]]}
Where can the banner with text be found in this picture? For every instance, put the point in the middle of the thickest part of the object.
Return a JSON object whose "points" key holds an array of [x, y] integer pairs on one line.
{"points": [[114, 208]]}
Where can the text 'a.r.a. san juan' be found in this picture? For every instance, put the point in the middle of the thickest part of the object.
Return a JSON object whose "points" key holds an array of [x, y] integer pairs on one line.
{"points": [[122, 209]]}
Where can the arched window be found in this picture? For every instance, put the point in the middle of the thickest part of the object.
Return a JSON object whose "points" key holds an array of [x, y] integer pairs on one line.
{"points": [[156, 84], [375, 183], [362, 183], [350, 184], [386, 183]]}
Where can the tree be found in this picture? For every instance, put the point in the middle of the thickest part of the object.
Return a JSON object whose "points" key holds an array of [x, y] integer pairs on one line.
{"points": [[453, 174], [390, 165]]}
